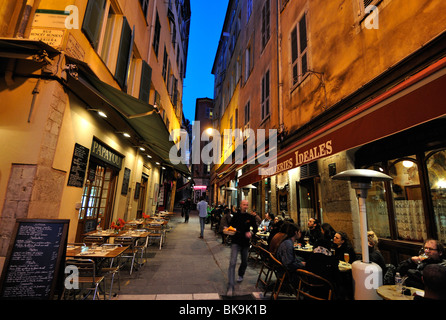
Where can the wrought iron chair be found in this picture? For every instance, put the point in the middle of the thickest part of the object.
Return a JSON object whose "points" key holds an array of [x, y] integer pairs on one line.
{"points": [[282, 277], [89, 240], [266, 270], [314, 287]]}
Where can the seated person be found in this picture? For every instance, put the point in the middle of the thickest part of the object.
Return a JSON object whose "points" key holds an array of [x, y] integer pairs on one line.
{"points": [[414, 266], [434, 279], [342, 245], [266, 223], [374, 254], [314, 231], [323, 263], [274, 228], [278, 237], [285, 252]]}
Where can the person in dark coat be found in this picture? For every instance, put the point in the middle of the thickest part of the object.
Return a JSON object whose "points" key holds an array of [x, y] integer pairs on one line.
{"points": [[187, 206], [243, 222], [433, 253]]}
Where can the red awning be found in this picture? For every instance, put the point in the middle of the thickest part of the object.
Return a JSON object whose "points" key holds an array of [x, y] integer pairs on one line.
{"points": [[417, 100]]}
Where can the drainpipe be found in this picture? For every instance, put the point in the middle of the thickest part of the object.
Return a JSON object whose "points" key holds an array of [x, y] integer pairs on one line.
{"points": [[35, 92], [25, 18], [279, 68]]}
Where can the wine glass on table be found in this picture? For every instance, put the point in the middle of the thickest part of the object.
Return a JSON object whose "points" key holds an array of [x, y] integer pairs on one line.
{"points": [[307, 241]]}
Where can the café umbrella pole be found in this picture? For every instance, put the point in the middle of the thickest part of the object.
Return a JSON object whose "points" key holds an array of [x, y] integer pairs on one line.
{"points": [[361, 181]]}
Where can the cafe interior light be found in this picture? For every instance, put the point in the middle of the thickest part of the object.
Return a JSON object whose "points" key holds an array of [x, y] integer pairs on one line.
{"points": [[407, 164], [142, 148], [149, 156], [125, 134]]}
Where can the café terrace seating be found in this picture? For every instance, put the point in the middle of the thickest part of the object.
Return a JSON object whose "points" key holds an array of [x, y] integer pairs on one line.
{"points": [[282, 278], [112, 270], [87, 281], [313, 286], [131, 252], [89, 240], [266, 270], [156, 234]]}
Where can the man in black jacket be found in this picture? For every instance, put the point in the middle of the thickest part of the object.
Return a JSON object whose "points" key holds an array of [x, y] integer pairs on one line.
{"points": [[242, 221], [414, 266]]}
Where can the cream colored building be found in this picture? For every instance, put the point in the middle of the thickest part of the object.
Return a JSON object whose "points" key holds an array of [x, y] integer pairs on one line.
{"points": [[353, 84], [64, 66]]}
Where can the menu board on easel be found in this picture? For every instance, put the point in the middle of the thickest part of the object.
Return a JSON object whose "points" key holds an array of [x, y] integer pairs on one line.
{"points": [[34, 264]]}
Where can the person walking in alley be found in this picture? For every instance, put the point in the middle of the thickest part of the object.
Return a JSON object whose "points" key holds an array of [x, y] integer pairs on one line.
{"points": [[186, 206], [202, 208], [242, 222]]}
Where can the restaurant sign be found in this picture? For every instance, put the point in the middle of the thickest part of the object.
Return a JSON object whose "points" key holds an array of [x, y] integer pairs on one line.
{"points": [[297, 158], [106, 154]]}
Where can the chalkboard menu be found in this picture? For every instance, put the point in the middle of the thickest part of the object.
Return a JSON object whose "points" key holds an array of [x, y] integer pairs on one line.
{"points": [[78, 166], [34, 264], [125, 182]]}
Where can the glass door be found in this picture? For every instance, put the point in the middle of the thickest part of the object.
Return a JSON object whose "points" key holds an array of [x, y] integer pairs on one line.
{"points": [[97, 199]]}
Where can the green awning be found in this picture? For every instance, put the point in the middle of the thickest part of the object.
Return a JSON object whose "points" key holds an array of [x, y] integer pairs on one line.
{"points": [[16, 48], [140, 116]]}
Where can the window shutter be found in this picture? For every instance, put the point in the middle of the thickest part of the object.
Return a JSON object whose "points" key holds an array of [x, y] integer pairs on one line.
{"points": [[123, 53], [92, 20], [175, 92], [146, 78]]}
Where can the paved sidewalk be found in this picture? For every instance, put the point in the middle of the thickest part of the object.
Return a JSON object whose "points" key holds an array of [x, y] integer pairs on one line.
{"points": [[187, 268]]}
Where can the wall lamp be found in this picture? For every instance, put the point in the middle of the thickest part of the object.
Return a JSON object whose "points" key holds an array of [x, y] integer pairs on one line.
{"points": [[100, 112], [125, 134]]}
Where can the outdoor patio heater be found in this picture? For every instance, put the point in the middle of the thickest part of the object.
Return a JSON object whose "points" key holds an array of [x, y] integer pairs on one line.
{"points": [[367, 276]]}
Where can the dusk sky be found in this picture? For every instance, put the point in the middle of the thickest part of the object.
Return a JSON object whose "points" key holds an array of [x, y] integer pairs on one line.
{"points": [[206, 25]]}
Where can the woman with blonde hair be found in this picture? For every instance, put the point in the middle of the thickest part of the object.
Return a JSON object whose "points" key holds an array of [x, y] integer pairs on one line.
{"points": [[374, 253]]}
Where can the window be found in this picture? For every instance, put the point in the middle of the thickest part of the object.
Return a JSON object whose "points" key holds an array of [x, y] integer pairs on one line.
{"points": [[436, 168], [165, 62], [247, 112], [363, 4], [91, 25], [248, 61], [209, 113], [248, 10], [125, 46], [408, 203], [156, 37], [132, 81], [299, 50], [104, 36], [265, 90], [144, 6], [266, 23], [110, 36], [146, 78]]}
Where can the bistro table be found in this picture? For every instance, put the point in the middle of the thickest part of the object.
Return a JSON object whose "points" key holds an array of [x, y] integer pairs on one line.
{"points": [[303, 252], [91, 253], [388, 292], [138, 233]]}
